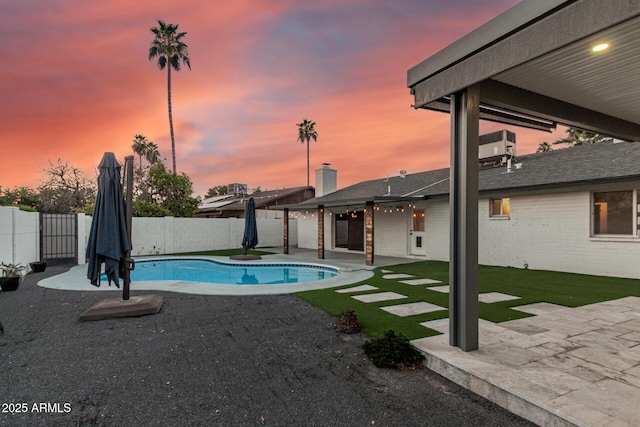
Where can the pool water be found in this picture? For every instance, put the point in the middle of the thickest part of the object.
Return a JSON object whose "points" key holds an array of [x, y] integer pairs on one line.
{"points": [[232, 274]]}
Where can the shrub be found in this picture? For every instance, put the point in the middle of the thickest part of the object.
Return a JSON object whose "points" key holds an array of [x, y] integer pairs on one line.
{"points": [[27, 208], [392, 351], [149, 209], [347, 322]]}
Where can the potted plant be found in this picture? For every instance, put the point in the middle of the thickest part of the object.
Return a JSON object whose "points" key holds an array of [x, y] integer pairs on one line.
{"points": [[38, 266], [11, 276]]}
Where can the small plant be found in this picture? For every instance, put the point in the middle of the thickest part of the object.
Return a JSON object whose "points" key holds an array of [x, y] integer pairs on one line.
{"points": [[347, 322], [392, 351], [11, 270]]}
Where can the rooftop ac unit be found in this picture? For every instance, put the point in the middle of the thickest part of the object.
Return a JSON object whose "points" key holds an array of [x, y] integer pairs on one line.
{"points": [[496, 145]]}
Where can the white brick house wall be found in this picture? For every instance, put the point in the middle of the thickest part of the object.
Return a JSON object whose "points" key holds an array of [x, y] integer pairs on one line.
{"points": [[308, 232], [546, 232], [390, 232], [437, 230]]}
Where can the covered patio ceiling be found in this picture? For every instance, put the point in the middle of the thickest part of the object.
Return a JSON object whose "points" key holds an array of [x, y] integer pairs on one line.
{"points": [[534, 66]]}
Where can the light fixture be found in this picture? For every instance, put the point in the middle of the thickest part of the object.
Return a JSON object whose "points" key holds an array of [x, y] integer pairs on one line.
{"points": [[600, 47]]}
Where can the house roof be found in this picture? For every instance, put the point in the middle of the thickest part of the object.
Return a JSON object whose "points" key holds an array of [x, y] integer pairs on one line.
{"points": [[536, 60], [262, 199], [216, 202], [570, 167]]}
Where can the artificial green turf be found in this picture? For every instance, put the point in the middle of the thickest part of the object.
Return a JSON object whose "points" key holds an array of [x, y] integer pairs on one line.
{"points": [[567, 289]]}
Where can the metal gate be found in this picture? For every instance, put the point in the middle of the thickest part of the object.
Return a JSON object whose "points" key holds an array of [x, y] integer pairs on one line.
{"points": [[59, 238]]}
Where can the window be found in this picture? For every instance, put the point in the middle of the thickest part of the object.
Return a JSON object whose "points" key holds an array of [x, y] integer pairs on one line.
{"points": [[500, 207], [613, 212], [418, 220]]}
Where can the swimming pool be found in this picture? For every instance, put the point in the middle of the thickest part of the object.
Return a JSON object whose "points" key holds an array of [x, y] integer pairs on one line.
{"points": [[210, 271], [75, 279]]}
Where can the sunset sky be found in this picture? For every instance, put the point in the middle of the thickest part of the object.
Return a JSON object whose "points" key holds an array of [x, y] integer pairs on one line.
{"points": [[76, 82]]}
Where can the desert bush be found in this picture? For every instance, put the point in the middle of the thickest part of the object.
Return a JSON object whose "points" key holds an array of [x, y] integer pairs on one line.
{"points": [[392, 351], [347, 322]]}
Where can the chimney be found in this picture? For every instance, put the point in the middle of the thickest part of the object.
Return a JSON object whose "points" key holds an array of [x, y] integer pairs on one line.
{"points": [[326, 180]]}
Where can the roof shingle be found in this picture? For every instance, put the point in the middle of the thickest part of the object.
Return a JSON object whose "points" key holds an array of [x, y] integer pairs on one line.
{"points": [[568, 167]]}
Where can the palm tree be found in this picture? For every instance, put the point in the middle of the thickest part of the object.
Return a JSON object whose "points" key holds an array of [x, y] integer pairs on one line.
{"points": [[306, 132], [170, 50], [544, 147], [152, 154], [139, 146]]}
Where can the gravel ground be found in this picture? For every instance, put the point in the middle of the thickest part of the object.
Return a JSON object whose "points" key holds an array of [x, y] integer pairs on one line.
{"points": [[208, 360]]}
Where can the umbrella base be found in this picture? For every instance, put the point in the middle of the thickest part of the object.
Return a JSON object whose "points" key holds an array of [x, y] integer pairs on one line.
{"points": [[245, 257], [112, 308]]}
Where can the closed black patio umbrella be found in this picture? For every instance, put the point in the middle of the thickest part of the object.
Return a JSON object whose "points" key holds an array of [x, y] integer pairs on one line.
{"points": [[108, 239], [250, 237], [110, 242]]}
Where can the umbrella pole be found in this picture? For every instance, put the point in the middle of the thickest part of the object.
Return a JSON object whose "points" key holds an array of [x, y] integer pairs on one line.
{"points": [[128, 173]]}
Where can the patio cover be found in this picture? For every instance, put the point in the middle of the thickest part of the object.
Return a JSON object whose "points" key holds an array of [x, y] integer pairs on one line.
{"points": [[531, 66]]}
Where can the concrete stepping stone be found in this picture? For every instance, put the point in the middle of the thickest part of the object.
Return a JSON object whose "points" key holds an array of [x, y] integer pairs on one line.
{"points": [[539, 308], [420, 282], [439, 325], [412, 308], [386, 271], [490, 297], [360, 288], [397, 276], [380, 296], [444, 289]]}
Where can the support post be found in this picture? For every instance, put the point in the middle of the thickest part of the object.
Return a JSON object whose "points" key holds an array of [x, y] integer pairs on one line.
{"points": [[128, 173], [285, 238], [368, 233], [321, 232], [463, 201]]}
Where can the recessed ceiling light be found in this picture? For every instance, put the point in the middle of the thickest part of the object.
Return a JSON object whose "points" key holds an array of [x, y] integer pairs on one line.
{"points": [[600, 47]]}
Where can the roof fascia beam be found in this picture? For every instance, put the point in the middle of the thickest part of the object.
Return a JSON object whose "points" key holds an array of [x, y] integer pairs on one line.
{"points": [[570, 22], [498, 28], [498, 116], [511, 98]]}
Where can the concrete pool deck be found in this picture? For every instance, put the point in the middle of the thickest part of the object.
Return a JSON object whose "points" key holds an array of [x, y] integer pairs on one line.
{"points": [[352, 270]]}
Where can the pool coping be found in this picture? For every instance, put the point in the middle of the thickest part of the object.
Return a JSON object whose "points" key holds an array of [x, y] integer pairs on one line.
{"points": [[75, 279]]}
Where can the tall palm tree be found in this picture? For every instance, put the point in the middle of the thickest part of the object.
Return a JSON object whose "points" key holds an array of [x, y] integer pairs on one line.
{"points": [[139, 146], [170, 50], [306, 132]]}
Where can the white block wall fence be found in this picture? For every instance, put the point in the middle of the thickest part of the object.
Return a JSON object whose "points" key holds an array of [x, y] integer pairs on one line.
{"points": [[20, 235], [156, 236]]}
